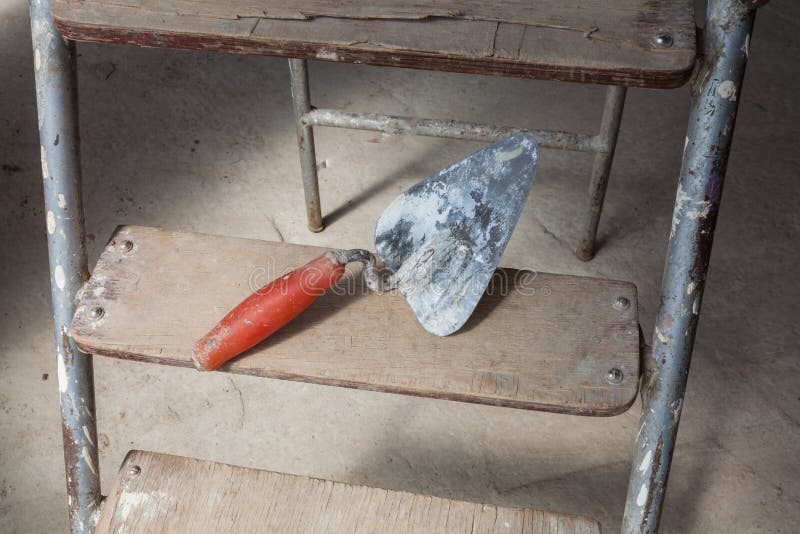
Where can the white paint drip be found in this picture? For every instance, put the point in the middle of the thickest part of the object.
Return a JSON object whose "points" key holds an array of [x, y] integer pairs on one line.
{"points": [[691, 287], [51, 222], [88, 437], [45, 170], [62, 374], [727, 90], [37, 59], [696, 306], [62, 201], [660, 335], [60, 277], [642, 497], [88, 459], [646, 461]]}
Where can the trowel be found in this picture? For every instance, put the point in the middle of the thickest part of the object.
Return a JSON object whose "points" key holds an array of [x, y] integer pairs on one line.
{"points": [[439, 244]]}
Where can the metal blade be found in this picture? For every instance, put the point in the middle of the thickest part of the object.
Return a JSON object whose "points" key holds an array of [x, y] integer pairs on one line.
{"points": [[443, 238]]}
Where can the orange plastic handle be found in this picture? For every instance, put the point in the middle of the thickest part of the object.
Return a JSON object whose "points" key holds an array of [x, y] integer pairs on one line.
{"points": [[267, 310]]}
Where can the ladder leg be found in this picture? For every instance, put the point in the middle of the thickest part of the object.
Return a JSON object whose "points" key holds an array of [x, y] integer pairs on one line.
{"points": [[601, 168], [57, 102], [715, 97], [301, 99]]}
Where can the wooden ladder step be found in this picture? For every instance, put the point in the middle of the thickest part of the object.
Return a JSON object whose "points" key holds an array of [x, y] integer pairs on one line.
{"points": [[587, 41], [162, 493], [536, 341]]}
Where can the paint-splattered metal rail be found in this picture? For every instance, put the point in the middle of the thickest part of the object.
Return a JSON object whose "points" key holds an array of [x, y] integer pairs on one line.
{"points": [[715, 96], [57, 102]]}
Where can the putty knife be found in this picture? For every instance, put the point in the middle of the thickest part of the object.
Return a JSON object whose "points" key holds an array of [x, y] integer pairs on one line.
{"points": [[440, 243]]}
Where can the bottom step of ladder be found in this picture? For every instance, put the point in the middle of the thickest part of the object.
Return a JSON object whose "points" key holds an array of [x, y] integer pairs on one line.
{"points": [[163, 493]]}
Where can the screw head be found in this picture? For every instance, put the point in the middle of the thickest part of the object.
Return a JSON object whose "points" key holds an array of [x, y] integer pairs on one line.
{"points": [[622, 304], [663, 40], [126, 246], [614, 375], [134, 470], [96, 312]]}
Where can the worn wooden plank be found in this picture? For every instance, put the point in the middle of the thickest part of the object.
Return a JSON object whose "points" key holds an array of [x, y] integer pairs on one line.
{"points": [[539, 341], [500, 38], [163, 493]]}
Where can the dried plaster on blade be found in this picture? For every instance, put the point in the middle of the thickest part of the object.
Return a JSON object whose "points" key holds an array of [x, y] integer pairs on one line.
{"points": [[444, 237]]}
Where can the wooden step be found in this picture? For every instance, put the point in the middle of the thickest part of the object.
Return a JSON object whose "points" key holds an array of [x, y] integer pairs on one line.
{"points": [[587, 41], [163, 493], [538, 341]]}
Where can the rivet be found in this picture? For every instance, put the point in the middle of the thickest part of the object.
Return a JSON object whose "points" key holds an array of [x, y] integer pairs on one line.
{"points": [[622, 304], [614, 375], [126, 246], [134, 470], [96, 312], [663, 40]]}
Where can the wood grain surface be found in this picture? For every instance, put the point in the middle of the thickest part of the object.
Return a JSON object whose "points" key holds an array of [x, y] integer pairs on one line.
{"points": [[536, 341], [172, 494], [588, 41]]}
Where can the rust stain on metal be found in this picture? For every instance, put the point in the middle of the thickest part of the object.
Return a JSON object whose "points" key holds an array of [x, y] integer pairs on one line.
{"points": [[71, 454], [69, 354], [653, 485]]}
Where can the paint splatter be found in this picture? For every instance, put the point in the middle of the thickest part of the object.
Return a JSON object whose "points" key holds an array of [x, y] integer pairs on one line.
{"points": [[727, 90], [60, 277]]}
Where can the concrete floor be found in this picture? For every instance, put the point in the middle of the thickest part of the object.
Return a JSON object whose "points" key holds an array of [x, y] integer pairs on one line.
{"points": [[205, 142]]}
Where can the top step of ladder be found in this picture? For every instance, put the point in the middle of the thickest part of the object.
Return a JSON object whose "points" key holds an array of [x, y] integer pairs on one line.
{"points": [[639, 43]]}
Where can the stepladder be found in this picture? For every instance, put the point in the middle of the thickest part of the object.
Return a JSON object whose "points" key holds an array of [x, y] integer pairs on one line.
{"points": [[719, 74]]}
